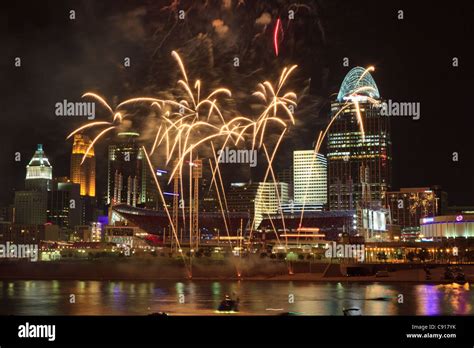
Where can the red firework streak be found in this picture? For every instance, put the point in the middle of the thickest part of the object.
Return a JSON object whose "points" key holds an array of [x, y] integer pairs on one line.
{"points": [[275, 36]]}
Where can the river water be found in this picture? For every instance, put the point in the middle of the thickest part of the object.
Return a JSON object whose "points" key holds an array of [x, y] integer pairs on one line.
{"points": [[52, 297]]}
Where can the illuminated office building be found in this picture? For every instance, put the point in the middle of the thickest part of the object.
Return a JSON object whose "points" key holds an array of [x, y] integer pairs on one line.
{"points": [[359, 168], [83, 174], [309, 178], [129, 179]]}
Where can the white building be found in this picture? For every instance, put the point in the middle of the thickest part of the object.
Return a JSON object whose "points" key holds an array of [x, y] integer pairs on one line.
{"points": [[259, 199], [268, 199], [309, 178], [447, 226]]}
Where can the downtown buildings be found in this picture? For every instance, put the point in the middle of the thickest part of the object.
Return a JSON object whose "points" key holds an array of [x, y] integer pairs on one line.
{"points": [[50, 204], [47, 199]]}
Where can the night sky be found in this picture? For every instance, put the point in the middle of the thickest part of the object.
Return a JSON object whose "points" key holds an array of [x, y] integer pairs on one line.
{"points": [[63, 58]]}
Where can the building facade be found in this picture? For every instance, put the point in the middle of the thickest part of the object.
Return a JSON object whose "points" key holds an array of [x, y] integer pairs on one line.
{"points": [[30, 207], [258, 199], [409, 205], [447, 226], [129, 179], [64, 204], [309, 178], [286, 175], [83, 173]]}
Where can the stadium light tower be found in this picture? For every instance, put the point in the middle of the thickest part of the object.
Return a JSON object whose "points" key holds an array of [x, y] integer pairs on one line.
{"points": [[197, 174]]}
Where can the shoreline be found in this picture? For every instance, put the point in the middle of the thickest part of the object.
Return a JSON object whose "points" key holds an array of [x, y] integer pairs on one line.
{"points": [[248, 280], [275, 279], [301, 277], [251, 270]]}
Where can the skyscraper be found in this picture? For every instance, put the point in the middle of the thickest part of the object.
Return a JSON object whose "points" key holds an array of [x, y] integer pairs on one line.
{"points": [[83, 174], [129, 178], [309, 178], [31, 204], [39, 171], [359, 168], [64, 203]]}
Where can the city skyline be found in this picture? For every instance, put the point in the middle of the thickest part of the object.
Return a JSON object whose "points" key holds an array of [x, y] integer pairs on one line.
{"points": [[431, 169], [215, 159], [125, 156]]}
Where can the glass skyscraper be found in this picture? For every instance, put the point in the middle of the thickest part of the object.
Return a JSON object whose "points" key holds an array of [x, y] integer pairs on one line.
{"points": [[359, 168]]}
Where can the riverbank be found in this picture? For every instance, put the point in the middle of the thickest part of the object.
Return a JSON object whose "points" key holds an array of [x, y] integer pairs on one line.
{"points": [[205, 269]]}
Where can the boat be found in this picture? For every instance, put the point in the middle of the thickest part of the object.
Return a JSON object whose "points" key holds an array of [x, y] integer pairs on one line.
{"points": [[228, 305], [351, 312]]}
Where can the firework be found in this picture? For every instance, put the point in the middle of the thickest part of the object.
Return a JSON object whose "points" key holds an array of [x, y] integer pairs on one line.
{"points": [[117, 118], [192, 121]]}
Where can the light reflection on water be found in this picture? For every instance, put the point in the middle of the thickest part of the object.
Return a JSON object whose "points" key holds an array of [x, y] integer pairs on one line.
{"points": [[37, 297]]}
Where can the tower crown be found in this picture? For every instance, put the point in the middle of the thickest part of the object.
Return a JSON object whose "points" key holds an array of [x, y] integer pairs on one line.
{"points": [[358, 81], [39, 159], [39, 171]]}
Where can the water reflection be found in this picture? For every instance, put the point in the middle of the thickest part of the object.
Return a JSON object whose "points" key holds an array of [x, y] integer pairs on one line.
{"points": [[256, 297]]}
